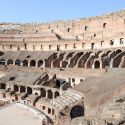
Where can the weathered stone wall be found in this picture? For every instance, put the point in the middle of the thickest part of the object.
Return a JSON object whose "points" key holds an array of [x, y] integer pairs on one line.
{"points": [[89, 33]]}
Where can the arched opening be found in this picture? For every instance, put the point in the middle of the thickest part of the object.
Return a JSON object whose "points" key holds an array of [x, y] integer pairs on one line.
{"points": [[43, 107], [68, 29], [40, 63], [58, 83], [10, 62], [28, 102], [50, 94], [64, 64], [22, 89], [17, 62], [29, 90], [16, 97], [56, 94], [1, 53], [2, 62], [118, 51], [104, 25], [2, 86], [49, 111], [32, 63], [4, 95], [92, 45], [77, 111], [16, 88], [25, 63], [43, 92], [97, 65]]}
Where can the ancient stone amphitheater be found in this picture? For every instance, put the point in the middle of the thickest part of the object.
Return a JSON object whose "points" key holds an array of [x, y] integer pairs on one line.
{"points": [[70, 72]]}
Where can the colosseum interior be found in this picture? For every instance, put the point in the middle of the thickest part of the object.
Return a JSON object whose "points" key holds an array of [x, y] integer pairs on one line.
{"points": [[67, 72]]}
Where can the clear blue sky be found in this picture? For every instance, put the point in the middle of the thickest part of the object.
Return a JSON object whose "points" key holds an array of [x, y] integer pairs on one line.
{"points": [[51, 10]]}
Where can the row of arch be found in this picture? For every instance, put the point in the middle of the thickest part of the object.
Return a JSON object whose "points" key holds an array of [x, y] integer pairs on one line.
{"points": [[22, 89], [109, 59], [80, 59], [18, 62], [43, 93], [76, 111]]}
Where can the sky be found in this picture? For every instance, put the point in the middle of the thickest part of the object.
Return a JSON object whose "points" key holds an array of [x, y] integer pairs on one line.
{"points": [[25, 11]]}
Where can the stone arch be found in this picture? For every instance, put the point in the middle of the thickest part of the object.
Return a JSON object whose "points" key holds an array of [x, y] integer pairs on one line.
{"points": [[16, 97], [22, 89], [29, 90], [17, 62], [32, 63], [83, 60], [10, 62], [77, 111], [40, 63], [98, 53], [96, 64], [108, 51], [56, 94], [16, 88], [2, 86], [118, 51], [25, 63], [50, 94], [49, 110], [4, 95], [43, 92], [2, 62]]}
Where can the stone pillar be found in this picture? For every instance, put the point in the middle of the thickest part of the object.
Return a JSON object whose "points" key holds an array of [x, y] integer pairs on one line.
{"points": [[60, 64], [100, 65], [28, 63], [5, 62], [111, 63], [21, 63], [46, 93], [36, 64], [14, 62], [19, 89], [93, 65]]}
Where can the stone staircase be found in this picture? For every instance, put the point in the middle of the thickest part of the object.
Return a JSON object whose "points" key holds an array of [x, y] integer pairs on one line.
{"points": [[66, 99]]}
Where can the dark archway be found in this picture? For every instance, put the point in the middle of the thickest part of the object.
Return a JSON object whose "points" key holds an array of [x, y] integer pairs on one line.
{"points": [[32, 63], [40, 63], [4, 95], [50, 94], [58, 83], [43, 92], [16, 98], [118, 51], [1, 53], [16, 88], [10, 62], [25, 63], [77, 111], [97, 65], [2, 86], [56, 94], [2, 62], [22, 89], [17, 62], [29, 90]]}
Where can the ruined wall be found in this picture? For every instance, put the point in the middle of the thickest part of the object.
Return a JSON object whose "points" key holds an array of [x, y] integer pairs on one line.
{"points": [[82, 34]]}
